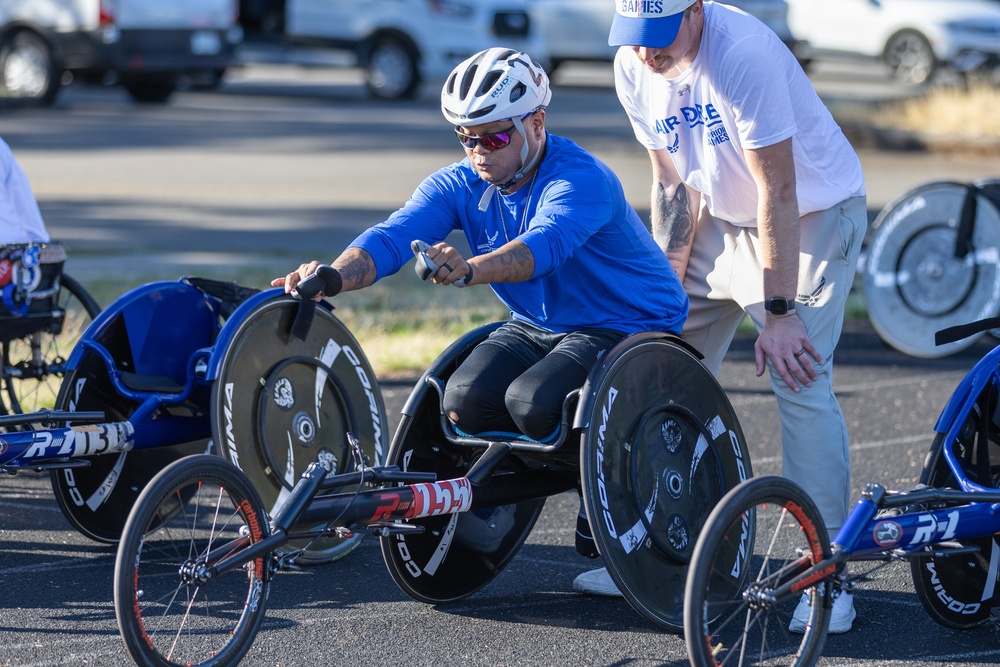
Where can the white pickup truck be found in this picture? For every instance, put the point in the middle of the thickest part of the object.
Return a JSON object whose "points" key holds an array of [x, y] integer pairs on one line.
{"points": [[146, 45]]}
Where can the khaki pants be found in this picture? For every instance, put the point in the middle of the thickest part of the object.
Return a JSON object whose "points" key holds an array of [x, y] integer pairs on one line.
{"points": [[724, 280]]}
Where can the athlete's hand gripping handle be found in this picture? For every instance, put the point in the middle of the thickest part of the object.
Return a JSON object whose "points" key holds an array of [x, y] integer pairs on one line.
{"points": [[325, 280], [425, 266]]}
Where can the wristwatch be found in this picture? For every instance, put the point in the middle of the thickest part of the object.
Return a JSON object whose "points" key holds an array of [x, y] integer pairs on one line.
{"points": [[779, 305]]}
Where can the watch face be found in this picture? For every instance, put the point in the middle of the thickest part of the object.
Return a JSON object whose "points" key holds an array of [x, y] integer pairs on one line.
{"points": [[778, 306]]}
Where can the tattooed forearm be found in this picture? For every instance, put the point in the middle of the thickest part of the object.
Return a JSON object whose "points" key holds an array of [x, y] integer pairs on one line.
{"points": [[512, 263], [357, 269], [671, 218]]}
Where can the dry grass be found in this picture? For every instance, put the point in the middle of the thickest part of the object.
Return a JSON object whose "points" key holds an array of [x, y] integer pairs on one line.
{"points": [[952, 111]]}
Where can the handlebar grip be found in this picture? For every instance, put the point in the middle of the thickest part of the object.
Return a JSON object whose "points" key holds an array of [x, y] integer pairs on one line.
{"points": [[425, 266], [326, 280]]}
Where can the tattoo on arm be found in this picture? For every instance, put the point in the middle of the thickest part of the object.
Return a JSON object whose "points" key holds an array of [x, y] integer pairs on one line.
{"points": [[672, 223], [514, 263], [356, 268]]}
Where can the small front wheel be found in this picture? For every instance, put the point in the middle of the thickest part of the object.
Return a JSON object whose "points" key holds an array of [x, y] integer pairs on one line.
{"points": [[170, 612], [762, 534]]}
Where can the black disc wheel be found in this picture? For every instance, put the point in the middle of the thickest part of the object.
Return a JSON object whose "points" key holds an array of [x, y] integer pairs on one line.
{"points": [[151, 331], [282, 401], [34, 364], [958, 590], [169, 612], [458, 554], [96, 499], [762, 534], [662, 446]]}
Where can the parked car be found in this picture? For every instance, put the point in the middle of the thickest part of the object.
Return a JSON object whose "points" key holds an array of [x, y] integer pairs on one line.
{"points": [[146, 45], [914, 38], [577, 30], [403, 43]]}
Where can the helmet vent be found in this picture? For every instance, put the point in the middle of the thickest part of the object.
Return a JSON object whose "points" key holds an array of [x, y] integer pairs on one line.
{"points": [[518, 92], [479, 113], [489, 81]]}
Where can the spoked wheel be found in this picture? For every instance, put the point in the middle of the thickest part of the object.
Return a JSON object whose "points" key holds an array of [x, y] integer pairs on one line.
{"points": [[168, 613], [34, 365], [282, 401], [762, 533]]}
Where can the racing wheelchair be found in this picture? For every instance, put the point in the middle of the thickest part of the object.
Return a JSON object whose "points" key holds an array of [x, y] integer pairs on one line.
{"points": [[43, 312], [176, 368], [650, 440], [765, 544]]}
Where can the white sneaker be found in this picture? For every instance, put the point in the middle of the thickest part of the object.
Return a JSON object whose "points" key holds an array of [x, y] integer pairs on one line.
{"points": [[596, 582], [841, 616]]}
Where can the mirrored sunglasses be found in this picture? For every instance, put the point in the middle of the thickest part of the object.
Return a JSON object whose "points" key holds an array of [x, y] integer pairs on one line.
{"points": [[492, 141]]}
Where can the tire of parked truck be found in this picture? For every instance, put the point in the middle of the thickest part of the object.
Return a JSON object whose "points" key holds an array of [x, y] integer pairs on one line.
{"points": [[29, 73], [391, 70], [154, 90]]}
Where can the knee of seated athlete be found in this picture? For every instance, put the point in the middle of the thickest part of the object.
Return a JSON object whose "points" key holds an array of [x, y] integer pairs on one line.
{"points": [[535, 420], [472, 407]]}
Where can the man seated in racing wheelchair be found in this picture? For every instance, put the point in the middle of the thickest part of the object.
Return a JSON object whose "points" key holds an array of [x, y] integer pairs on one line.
{"points": [[552, 234]]}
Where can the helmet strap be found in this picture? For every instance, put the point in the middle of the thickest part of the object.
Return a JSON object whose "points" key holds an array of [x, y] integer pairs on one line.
{"points": [[484, 203]]}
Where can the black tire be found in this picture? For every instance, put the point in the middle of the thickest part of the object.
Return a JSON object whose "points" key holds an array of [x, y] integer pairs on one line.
{"points": [[951, 588], [910, 58], [156, 90], [34, 366], [726, 616], [166, 618], [662, 445], [391, 69], [28, 70]]}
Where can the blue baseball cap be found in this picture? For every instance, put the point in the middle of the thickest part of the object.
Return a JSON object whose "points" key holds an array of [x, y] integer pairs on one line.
{"points": [[650, 23]]}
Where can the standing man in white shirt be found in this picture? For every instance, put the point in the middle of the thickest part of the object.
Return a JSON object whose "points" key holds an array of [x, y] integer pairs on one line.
{"points": [[759, 204]]}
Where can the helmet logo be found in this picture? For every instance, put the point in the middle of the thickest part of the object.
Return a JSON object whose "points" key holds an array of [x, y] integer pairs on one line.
{"points": [[500, 87]]}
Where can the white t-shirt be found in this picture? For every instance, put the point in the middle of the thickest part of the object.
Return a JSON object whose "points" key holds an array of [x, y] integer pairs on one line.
{"points": [[744, 90], [20, 219]]}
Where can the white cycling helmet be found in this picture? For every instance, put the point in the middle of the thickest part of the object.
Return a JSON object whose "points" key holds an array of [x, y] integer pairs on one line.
{"points": [[493, 85], [496, 84]]}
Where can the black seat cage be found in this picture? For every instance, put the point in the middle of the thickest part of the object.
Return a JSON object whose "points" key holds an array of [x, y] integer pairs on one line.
{"points": [[522, 443]]}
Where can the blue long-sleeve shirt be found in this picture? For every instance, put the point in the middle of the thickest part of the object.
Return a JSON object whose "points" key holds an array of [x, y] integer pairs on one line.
{"points": [[596, 265]]}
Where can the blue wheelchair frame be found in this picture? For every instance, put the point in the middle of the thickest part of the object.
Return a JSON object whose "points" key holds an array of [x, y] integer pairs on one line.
{"points": [[945, 529]]}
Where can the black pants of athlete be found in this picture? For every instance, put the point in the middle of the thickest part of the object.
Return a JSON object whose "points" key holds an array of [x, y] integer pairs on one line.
{"points": [[518, 378]]}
